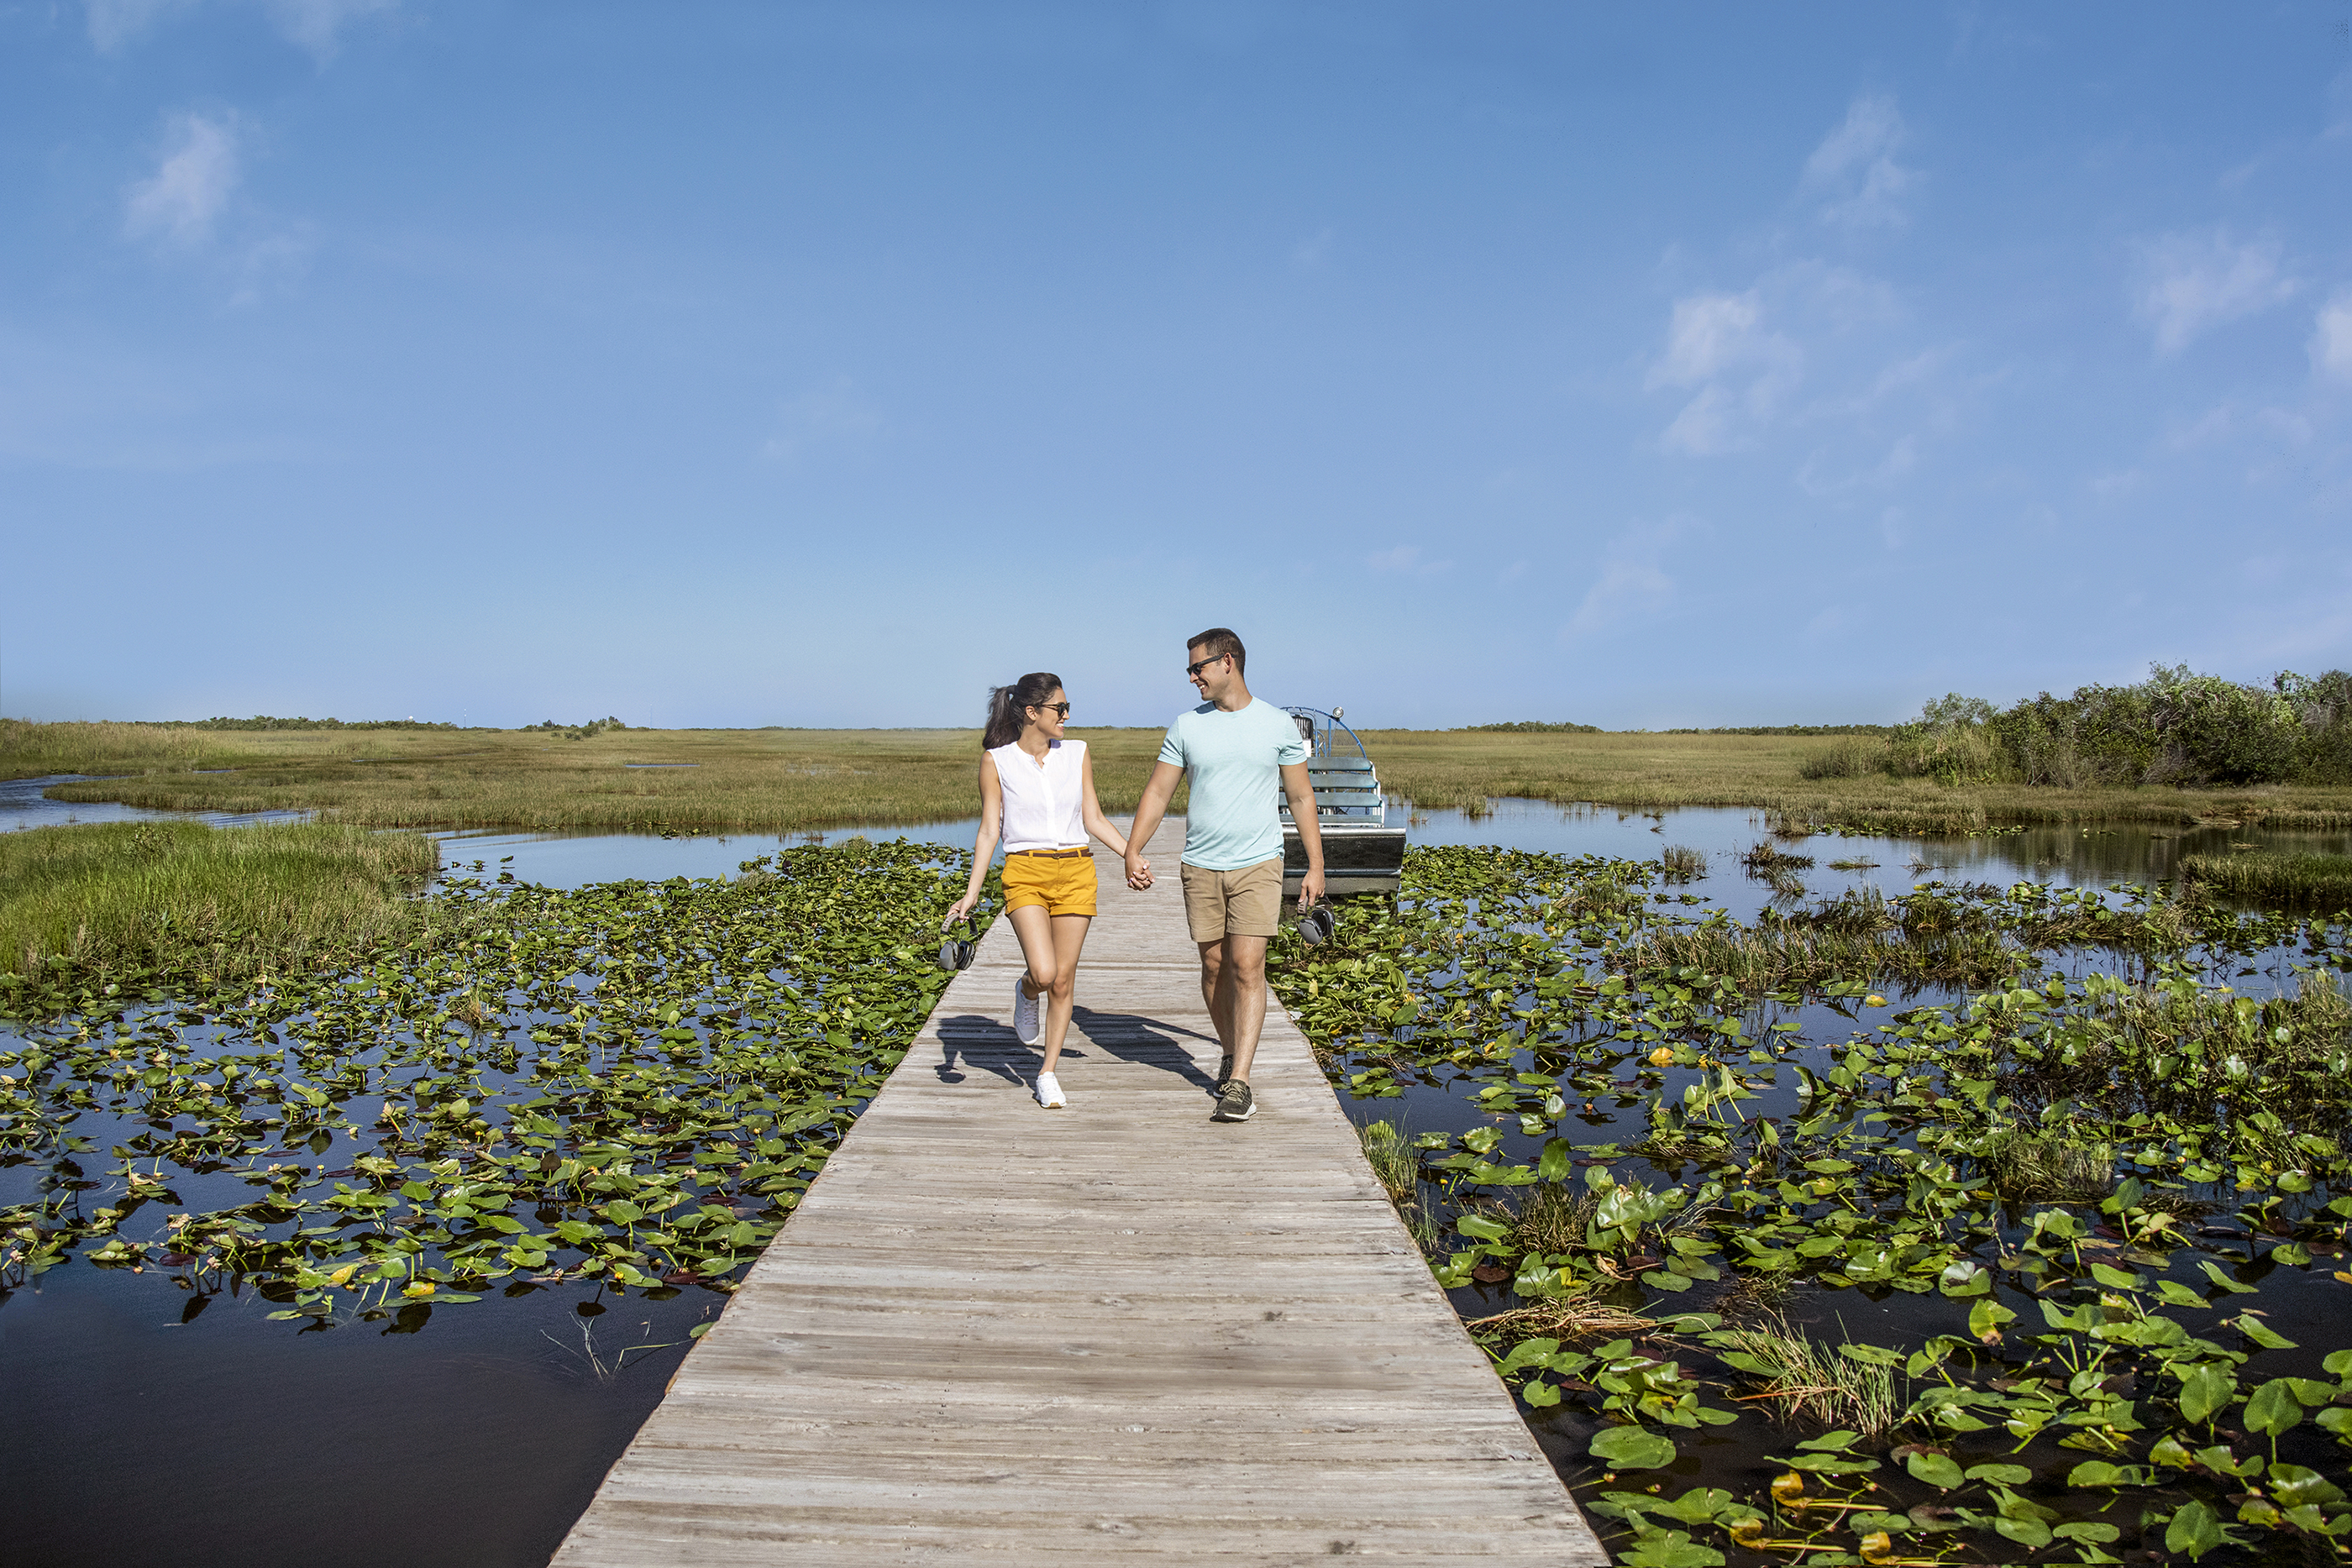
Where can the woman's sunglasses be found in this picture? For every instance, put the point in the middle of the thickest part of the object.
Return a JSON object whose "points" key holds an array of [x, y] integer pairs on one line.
{"points": [[1061, 708]]}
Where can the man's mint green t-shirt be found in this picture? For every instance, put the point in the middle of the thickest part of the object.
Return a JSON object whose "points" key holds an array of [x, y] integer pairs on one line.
{"points": [[1235, 761]]}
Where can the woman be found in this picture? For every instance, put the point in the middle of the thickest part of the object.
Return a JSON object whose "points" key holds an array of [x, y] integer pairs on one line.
{"points": [[1039, 788]]}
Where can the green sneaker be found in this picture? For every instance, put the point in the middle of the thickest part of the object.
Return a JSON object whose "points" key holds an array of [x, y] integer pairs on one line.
{"points": [[1224, 1075], [1233, 1103]]}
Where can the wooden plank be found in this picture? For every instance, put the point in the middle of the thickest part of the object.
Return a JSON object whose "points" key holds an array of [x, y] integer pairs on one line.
{"points": [[992, 1332]]}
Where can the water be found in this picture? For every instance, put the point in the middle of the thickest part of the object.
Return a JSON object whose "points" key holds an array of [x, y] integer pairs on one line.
{"points": [[23, 805], [477, 1441]]}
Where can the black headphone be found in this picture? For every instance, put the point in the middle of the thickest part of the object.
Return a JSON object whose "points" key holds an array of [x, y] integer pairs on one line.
{"points": [[1315, 925], [956, 951]]}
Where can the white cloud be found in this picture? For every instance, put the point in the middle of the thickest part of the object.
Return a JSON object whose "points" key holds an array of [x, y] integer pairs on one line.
{"points": [[1405, 560], [313, 25], [837, 416], [317, 24], [1854, 171], [1718, 343], [1707, 331], [2331, 339], [114, 23], [181, 200], [2191, 283], [1634, 579]]}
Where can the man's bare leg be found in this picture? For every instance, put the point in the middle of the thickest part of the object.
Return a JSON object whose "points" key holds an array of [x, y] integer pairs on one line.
{"points": [[1240, 1007]]}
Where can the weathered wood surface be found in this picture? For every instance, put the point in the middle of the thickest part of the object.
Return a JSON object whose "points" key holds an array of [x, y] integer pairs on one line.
{"points": [[999, 1332]]}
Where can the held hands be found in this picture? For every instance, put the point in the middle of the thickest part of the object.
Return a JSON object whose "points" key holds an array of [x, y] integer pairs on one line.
{"points": [[1139, 872]]}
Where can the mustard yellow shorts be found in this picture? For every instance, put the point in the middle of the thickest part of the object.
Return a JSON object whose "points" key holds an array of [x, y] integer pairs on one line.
{"points": [[1060, 884]]}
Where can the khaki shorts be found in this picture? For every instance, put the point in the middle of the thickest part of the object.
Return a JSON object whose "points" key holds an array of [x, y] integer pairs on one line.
{"points": [[1244, 903]]}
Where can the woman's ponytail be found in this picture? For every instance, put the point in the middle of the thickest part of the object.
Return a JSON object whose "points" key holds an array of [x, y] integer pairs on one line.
{"points": [[1008, 706]]}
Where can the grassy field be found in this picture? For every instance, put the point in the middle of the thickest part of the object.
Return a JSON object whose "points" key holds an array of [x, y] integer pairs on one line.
{"points": [[780, 779], [148, 899]]}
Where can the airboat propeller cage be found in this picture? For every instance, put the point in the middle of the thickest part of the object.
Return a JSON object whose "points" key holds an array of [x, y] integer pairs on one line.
{"points": [[1361, 853]]}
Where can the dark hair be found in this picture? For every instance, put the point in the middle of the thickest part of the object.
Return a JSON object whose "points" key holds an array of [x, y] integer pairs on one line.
{"points": [[1006, 705], [1219, 641]]}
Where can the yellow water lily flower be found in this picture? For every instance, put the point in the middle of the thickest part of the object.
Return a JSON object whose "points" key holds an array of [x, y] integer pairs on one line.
{"points": [[1663, 1057]]}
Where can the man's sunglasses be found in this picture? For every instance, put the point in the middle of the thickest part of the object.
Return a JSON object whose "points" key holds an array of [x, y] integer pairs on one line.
{"points": [[1192, 670], [1061, 708]]}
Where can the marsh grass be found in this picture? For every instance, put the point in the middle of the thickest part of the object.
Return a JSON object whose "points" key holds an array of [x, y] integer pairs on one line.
{"points": [[2304, 880], [781, 779], [741, 780], [1801, 1379], [1564, 1318], [30, 750], [1762, 957], [186, 899], [1682, 863], [2036, 1167]]}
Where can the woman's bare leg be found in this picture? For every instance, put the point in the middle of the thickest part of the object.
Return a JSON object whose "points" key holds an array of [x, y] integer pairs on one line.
{"points": [[1036, 929], [1069, 935]]}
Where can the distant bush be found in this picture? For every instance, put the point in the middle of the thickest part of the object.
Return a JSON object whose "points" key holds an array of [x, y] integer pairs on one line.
{"points": [[2175, 727], [1537, 727], [577, 731]]}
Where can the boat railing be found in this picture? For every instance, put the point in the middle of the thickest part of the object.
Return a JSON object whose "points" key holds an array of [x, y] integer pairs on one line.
{"points": [[1347, 787]]}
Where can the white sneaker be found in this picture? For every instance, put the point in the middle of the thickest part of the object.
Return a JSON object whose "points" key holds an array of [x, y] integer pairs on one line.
{"points": [[1049, 1093], [1025, 1013]]}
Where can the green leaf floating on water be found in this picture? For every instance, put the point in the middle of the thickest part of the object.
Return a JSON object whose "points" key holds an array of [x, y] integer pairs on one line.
{"points": [[1631, 1449]]}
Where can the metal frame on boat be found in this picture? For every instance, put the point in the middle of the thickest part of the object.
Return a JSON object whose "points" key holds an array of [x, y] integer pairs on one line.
{"points": [[1361, 852]]}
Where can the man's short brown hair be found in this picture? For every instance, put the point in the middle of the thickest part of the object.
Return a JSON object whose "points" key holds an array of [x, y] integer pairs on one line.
{"points": [[1217, 643]]}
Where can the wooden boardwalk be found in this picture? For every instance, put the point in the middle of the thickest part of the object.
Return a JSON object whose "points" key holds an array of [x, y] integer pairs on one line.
{"points": [[1002, 1333]]}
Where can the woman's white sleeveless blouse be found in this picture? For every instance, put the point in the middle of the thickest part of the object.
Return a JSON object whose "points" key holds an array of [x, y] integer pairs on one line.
{"points": [[1041, 806]]}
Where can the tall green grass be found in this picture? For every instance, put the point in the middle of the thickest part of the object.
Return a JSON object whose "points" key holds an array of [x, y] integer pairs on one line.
{"points": [[142, 899], [2324, 880]]}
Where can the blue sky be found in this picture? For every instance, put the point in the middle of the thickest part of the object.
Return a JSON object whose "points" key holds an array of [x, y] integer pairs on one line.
{"points": [[822, 364]]}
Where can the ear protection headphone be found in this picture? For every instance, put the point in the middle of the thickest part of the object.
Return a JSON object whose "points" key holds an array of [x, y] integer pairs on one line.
{"points": [[956, 951], [1315, 925]]}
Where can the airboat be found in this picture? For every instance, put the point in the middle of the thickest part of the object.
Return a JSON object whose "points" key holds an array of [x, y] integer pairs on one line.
{"points": [[1361, 852]]}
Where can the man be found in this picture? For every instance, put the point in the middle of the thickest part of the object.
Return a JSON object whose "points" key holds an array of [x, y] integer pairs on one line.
{"points": [[1234, 747]]}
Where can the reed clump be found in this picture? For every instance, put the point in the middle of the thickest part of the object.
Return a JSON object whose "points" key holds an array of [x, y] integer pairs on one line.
{"points": [[1393, 1161], [2037, 1167], [150, 899], [1799, 1377], [1683, 864]]}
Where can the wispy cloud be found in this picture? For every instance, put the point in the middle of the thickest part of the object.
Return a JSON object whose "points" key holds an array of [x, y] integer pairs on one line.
{"points": [[318, 24], [2191, 283], [182, 200], [2331, 339], [1404, 560], [837, 416], [1853, 174], [1718, 343], [1634, 579], [315, 25], [114, 23]]}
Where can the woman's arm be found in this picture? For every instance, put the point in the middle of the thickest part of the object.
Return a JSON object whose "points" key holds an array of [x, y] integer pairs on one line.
{"points": [[1090, 808], [984, 843]]}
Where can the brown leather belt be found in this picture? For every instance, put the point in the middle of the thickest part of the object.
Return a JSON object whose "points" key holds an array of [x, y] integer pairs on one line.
{"points": [[1051, 854]]}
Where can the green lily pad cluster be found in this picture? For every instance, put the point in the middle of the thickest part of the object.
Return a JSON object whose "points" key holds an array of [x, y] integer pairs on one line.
{"points": [[630, 1083], [2086, 1171]]}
